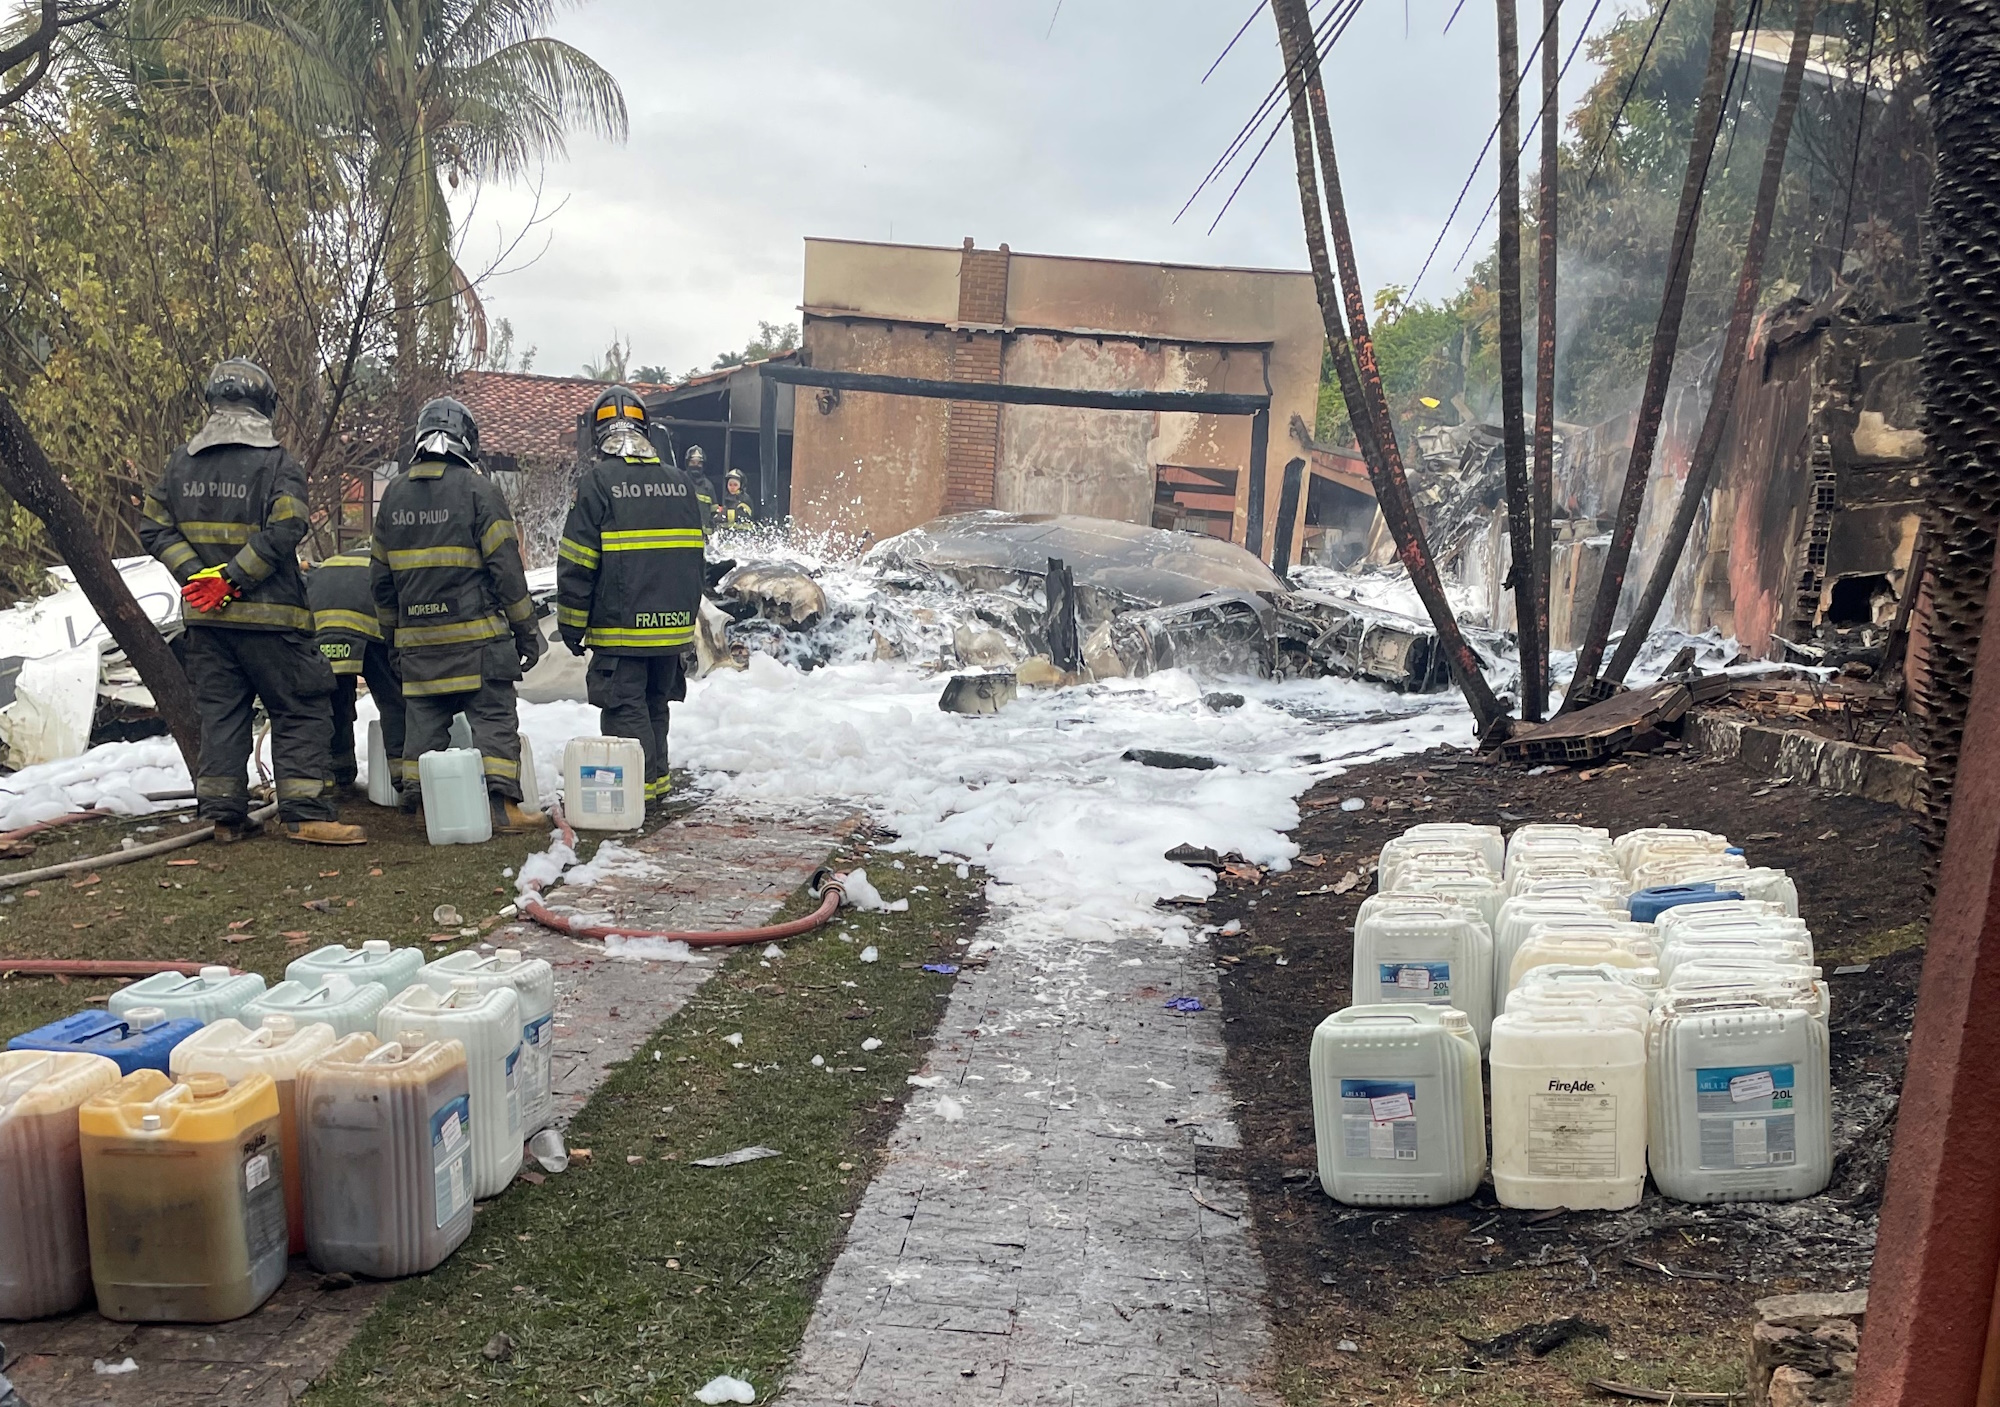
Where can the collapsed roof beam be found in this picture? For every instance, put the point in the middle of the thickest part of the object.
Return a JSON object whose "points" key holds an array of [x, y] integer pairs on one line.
{"points": [[1193, 402]]}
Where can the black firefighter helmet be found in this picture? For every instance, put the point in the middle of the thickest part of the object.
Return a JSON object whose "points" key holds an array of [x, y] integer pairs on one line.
{"points": [[241, 381], [618, 425], [446, 430]]}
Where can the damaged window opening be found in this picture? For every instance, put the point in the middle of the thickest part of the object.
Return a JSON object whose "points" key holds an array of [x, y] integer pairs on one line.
{"points": [[1861, 600]]}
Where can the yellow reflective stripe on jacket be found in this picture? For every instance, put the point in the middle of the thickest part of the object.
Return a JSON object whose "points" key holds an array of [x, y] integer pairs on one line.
{"points": [[177, 555], [651, 539], [286, 507], [573, 616], [260, 613], [456, 684], [458, 632], [662, 638], [520, 612], [251, 564], [571, 550], [156, 510], [217, 534], [500, 767], [501, 531], [348, 559], [352, 621], [405, 559]]}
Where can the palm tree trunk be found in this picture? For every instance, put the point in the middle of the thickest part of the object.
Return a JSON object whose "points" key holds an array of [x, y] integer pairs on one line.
{"points": [[1535, 667], [1707, 449], [27, 475], [1961, 373], [1666, 340], [1513, 423], [1354, 360]]}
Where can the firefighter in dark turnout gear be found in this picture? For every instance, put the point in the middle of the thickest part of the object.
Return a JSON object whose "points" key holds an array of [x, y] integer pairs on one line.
{"points": [[733, 510], [350, 638], [450, 590], [629, 579], [226, 518]]}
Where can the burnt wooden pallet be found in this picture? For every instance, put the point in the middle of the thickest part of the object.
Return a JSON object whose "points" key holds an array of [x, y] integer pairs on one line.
{"points": [[1601, 730]]}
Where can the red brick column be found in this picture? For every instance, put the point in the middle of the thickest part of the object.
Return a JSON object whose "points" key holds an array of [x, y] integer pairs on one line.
{"points": [[972, 428], [1932, 1290]]}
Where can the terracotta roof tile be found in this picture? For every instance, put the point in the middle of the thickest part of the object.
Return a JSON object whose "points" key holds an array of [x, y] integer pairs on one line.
{"points": [[532, 418]]}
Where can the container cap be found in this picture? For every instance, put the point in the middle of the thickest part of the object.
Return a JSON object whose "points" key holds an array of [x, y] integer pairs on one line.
{"points": [[279, 1024], [150, 1123], [145, 1018], [1452, 1019], [215, 972], [375, 945], [508, 955], [411, 1040], [203, 1084]]}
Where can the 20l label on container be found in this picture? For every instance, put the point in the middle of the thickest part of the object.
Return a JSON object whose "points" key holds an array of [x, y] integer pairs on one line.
{"points": [[451, 1158], [1745, 1117], [1428, 982], [1378, 1119]]}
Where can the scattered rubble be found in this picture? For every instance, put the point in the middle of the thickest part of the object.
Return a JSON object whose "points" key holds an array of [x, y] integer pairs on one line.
{"points": [[1802, 1348]]}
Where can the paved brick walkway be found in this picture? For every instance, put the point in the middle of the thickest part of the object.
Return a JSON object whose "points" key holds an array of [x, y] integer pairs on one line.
{"points": [[724, 865], [1040, 1234]]}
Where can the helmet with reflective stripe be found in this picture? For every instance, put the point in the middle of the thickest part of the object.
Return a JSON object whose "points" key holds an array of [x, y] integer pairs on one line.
{"points": [[446, 430], [243, 382], [616, 408]]}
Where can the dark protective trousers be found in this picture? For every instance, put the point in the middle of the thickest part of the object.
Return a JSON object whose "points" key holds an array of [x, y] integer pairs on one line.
{"points": [[231, 671], [632, 693], [490, 709], [379, 669]]}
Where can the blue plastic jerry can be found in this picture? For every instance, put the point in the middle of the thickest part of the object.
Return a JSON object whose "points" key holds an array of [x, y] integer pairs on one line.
{"points": [[141, 1039], [1649, 904]]}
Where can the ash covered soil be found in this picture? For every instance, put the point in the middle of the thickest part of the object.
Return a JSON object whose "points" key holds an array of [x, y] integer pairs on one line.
{"points": [[1378, 1305]]}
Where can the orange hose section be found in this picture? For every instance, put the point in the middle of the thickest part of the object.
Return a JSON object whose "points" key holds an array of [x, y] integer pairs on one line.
{"points": [[95, 967], [715, 938]]}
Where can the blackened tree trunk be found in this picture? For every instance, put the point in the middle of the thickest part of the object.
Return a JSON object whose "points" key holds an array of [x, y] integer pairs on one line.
{"points": [[27, 475], [1961, 371], [1535, 668], [1513, 422], [1660, 369], [1708, 447], [1354, 360]]}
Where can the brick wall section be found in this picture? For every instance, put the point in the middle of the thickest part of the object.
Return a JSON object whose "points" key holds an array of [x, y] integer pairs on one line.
{"points": [[972, 434]]}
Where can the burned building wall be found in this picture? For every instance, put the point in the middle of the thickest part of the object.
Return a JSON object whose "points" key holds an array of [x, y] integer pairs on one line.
{"points": [[876, 465]]}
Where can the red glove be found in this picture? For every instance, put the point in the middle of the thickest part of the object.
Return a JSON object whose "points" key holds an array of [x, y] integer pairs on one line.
{"points": [[208, 591]]}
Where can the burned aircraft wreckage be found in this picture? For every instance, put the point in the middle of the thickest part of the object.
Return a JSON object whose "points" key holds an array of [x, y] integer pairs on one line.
{"points": [[1094, 598]]}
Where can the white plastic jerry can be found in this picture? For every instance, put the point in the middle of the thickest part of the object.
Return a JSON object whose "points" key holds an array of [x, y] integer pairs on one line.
{"points": [[1398, 1113], [488, 1024], [210, 996], [1741, 1100], [456, 811], [534, 981], [1569, 1110], [374, 961], [604, 783], [339, 1003], [1425, 950], [461, 733], [382, 788], [531, 785]]}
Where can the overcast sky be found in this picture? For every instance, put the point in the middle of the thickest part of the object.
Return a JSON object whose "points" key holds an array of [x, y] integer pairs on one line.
{"points": [[1078, 128]]}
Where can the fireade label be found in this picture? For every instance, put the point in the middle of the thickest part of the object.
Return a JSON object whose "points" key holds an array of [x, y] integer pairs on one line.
{"points": [[1745, 1117], [1427, 982], [451, 1159], [1378, 1120], [1572, 1131]]}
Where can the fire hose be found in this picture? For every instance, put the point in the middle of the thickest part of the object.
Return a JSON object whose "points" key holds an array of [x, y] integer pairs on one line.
{"points": [[825, 885]]}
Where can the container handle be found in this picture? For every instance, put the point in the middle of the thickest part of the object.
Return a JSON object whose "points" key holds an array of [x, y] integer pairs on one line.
{"points": [[25, 1079], [385, 1054]]}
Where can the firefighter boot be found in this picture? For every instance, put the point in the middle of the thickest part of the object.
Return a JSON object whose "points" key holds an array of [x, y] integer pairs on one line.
{"points": [[325, 833], [510, 819]]}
